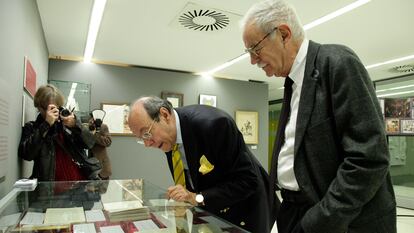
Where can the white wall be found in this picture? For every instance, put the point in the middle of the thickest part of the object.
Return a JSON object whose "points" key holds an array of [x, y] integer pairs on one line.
{"points": [[21, 35]]}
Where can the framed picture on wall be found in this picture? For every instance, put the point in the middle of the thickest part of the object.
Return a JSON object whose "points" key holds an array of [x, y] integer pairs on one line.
{"points": [[176, 99], [248, 124], [407, 126], [392, 125], [29, 77], [397, 108], [208, 100], [116, 118]]}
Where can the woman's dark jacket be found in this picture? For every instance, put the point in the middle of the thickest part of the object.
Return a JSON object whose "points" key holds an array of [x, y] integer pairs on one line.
{"points": [[39, 140]]}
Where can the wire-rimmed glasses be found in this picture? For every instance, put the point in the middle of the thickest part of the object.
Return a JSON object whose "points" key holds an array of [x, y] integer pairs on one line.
{"points": [[146, 135], [253, 50]]}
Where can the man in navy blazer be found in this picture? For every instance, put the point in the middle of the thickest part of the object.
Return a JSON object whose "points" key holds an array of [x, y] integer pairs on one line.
{"points": [[331, 160], [219, 167]]}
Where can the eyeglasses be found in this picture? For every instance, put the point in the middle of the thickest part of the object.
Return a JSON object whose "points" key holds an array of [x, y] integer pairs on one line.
{"points": [[146, 135], [253, 50]]}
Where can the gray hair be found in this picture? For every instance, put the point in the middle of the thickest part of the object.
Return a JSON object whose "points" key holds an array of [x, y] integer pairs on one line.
{"points": [[153, 104], [270, 13]]}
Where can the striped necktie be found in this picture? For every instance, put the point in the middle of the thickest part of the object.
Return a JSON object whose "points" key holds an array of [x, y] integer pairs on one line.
{"points": [[178, 167]]}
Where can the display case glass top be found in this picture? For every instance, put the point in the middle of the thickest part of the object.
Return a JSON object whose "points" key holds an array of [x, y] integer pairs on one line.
{"points": [[103, 206]]}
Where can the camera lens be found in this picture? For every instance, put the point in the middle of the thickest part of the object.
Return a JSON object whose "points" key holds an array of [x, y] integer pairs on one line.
{"points": [[64, 112]]}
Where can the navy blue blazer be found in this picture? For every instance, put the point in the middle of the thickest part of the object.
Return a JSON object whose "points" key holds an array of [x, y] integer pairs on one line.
{"points": [[237, 188]]}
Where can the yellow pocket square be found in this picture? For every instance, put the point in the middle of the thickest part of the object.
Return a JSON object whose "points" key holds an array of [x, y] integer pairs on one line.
{"points": [[205, 165]]}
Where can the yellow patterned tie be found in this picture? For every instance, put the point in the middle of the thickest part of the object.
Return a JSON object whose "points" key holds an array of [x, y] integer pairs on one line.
{"points": [[178, 167]]}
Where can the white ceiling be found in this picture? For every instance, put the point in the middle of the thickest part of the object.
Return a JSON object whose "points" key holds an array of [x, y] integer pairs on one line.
{"points": [[147, 33]]}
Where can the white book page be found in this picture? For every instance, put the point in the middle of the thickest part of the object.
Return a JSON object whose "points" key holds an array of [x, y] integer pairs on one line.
{"points": [[64, 216], [94, 216], [112, 229], [145, 225], [33, 218], [84, 228]]}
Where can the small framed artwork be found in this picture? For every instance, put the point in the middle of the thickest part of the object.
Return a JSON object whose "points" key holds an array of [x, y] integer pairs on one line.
{"points": [[208, 100], [397, 108], [407, 126], [29, 77], [116, 118], [412, 108], [392, 125], [176, 99], [248, 124]]}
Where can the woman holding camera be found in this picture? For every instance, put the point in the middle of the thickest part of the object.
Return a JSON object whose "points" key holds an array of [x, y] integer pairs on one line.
{"points": [[55, 140]]}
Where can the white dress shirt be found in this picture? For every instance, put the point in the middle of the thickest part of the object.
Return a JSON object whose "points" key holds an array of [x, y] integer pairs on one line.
{"points": [[181, 148], [179, 140], [285, 174]]}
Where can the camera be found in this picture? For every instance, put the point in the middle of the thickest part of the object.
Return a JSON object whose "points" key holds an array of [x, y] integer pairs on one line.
{"points": [[95, 125], [64, 112], [96, 117]]}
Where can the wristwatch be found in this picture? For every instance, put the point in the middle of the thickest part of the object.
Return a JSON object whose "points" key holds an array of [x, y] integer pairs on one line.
{"points": [[199, 199]]}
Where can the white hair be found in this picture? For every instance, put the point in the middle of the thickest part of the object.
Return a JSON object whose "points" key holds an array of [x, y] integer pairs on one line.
{"points": [[270, 13]]}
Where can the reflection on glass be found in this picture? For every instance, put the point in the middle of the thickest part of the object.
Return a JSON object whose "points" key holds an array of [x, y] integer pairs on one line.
{"points": [[77, 96], [274, 113], [397, 103]]}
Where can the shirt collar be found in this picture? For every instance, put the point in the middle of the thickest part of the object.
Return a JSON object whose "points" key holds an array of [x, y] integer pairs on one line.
{"points": [[178, 128], [300, 58]]}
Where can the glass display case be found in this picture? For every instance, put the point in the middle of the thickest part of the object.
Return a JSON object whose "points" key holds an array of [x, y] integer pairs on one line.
{"points": [[396, 96], [103, 206]]}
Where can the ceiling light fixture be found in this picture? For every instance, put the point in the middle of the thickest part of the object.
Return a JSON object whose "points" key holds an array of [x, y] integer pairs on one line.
{"points": [[395, 88], [335, 14], [395, 93], [308, 26], [390, 61], [95, 22], [225, 65]]}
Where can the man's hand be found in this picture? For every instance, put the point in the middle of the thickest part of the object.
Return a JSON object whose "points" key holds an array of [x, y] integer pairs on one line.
{"points": [[52, 114], [179, 193]]}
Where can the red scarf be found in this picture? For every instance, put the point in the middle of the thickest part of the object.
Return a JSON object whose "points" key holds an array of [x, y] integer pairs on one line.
{"points": [[65, 168]]}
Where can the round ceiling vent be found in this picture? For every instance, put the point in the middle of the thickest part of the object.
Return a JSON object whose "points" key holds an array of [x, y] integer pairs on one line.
{"points": [[204, 20], [403, 68]]}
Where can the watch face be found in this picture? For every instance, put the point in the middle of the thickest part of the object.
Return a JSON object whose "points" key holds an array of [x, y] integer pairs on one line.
{"points": [[199, 198]]}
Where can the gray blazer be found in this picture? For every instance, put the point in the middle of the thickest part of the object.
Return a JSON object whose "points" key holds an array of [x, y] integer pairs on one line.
{"points": [[341, 153]]}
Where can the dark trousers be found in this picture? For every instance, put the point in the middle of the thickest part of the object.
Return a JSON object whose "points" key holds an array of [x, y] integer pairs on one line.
{"points": [[292, 209]]}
